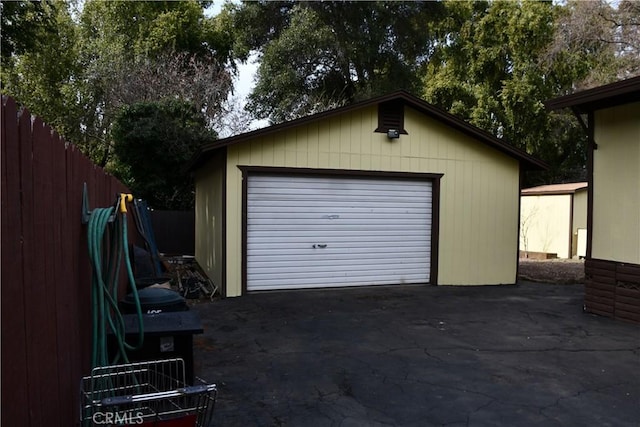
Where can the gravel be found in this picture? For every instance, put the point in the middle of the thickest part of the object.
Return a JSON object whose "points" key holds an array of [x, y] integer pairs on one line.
{"points": [[556, 271]]}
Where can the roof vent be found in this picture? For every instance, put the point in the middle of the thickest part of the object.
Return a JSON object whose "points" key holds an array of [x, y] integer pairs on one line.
{"points": [[391, 118]]}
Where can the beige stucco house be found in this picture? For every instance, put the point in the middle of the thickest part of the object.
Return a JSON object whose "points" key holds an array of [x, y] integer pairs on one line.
{"points": [[553, 221], [387, 191], [611, 115]]}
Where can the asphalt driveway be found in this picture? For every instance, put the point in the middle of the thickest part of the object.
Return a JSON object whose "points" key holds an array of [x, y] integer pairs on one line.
{"points": [[419, 356]]}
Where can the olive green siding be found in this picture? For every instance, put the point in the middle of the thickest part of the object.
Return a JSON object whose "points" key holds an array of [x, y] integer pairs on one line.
{"points": [[209, 218], [479, 215], [616, 184]]}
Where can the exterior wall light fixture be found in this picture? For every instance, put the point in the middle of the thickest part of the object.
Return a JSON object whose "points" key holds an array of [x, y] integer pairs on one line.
{"points": [[393, 134]]}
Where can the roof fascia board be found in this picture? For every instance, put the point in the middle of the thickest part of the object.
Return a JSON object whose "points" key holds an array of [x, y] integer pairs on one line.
{"points": [[610, 95]]}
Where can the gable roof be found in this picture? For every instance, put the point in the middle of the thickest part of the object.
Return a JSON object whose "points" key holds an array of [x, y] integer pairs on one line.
{"points": [[569, 188], [526, 160], [598, 98]]}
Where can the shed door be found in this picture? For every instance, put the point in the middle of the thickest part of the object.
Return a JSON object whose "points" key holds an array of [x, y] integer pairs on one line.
{"points": [[314, 232]]}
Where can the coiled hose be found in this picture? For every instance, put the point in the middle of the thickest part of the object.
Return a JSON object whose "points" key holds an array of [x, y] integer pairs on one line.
{"points": [[108, 241]]}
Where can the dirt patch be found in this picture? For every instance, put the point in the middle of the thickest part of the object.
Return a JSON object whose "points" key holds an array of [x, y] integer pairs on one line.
{"points": [[558, 271]]}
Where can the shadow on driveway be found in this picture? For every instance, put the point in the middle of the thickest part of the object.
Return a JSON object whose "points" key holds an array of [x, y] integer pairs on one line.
{"points": [[419, 356]]}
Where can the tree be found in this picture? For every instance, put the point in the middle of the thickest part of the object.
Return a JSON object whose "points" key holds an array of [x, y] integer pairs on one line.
{"points": [[23, 24], [131, 51], [39, 61], [595, 43], [76, 75], [316, 55], [488, 68], [202, 82], [153, 143], [234, 118]]}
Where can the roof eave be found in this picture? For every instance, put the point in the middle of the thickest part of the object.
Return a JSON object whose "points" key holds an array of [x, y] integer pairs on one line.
{"points": [[610, 95]]}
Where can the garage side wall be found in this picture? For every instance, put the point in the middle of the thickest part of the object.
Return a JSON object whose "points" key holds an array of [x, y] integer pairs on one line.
{"points": [[616, 176], [209, 236], [479, 190]]}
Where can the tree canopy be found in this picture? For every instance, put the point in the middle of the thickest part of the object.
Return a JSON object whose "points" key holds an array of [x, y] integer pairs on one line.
{"points": [[492, 63], [81, 66], [155, 141], [78, 69], [317, 55]]}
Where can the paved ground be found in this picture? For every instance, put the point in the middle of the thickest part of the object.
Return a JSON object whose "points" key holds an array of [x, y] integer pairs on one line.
{"points": [[521, 355]]}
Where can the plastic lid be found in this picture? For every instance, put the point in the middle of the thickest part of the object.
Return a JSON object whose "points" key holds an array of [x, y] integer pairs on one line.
{"points": [[155, 297]]}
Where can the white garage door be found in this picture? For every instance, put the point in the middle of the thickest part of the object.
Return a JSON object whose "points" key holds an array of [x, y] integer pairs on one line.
{"points": [[313, 232]]}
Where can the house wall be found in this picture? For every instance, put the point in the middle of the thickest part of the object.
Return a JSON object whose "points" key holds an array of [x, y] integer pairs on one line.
{"points": [[545, 224], [616, 188], [209, 236], [479, 189]]}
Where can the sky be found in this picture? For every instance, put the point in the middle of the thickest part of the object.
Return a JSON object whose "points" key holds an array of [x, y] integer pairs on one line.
{"points": [[244, 83]]}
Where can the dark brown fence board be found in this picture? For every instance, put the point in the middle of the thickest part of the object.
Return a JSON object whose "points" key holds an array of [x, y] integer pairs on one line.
{"points": [[34, 371], [46, 276], [628, 317], [629, 308], [42, 301], [630, 293], [598, 308], [14, 369], [599, 293], [66, 349], [633, 302], [599, 264], [613, 289], [591, 283], [83, 173], [603, 279], [630, 278]]}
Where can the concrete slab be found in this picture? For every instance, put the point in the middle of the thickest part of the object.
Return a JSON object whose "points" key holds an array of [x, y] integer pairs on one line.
{"points": [[419, 356]]}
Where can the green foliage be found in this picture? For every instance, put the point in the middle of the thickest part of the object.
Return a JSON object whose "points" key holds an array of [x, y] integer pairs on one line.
{"points": [[488, 68], [24, 23], [76, 75], [153, 143], [317, 55], [38, 65], [490, 62], [123, 42]]}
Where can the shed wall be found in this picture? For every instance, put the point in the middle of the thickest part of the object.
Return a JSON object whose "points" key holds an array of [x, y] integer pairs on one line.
{"points": [[479, 190], [545, 224], [579, 217], [616, 188], [209, 219]]}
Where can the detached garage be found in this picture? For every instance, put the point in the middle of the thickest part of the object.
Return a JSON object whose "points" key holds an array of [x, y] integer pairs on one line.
{"points": [[386, 191]]}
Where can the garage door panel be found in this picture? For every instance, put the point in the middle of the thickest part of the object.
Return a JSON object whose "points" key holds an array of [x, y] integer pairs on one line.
{"points": [[329, 282], [364, 240], [374, 222], [273, 255], [372, 231], [314, 263]]}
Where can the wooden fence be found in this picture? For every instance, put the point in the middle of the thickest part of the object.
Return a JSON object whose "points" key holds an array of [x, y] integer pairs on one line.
{"points": [[46, 276]]}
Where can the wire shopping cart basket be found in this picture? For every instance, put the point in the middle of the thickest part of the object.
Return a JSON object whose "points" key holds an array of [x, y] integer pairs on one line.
{"points": [[147, 394]]}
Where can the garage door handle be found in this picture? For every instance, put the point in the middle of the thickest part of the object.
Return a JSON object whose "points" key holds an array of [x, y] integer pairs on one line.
{"points": [[321, 246]]}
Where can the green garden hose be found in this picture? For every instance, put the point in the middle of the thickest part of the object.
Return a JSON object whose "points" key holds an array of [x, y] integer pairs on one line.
{"points": [[108, 242]]}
